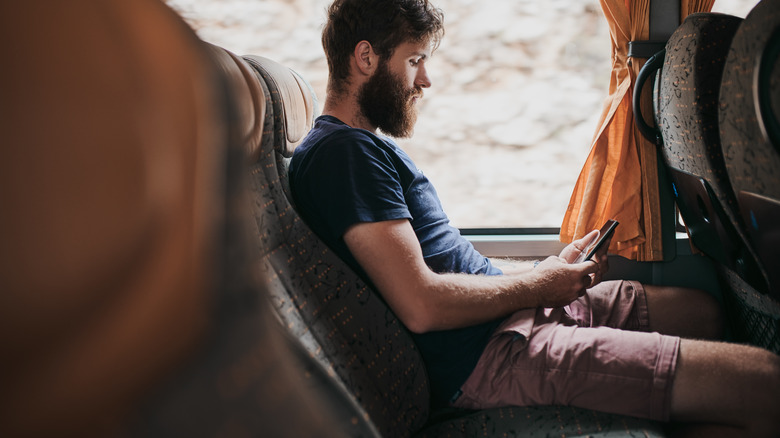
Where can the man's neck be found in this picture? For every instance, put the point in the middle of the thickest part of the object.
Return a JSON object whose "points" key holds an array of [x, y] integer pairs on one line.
{"points": [[347, 110]]}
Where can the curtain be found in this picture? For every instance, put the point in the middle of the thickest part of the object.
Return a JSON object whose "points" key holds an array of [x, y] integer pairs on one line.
{"points": [[620, 177]]}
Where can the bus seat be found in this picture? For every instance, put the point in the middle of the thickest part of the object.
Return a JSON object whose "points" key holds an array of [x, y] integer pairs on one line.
{"points": [[686, 106], [750, 135], [343, 323], [253, 124], [686, 113], [687, 102], [251, 378]]}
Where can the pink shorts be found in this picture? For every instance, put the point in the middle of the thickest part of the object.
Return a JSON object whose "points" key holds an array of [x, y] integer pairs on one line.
{"points": [[554, 357]]}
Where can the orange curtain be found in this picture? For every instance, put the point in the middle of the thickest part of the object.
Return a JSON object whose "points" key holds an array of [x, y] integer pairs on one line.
{"points": [[620, 177]]}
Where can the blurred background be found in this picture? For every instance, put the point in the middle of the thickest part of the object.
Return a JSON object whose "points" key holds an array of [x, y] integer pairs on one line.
{"points": [[518, 87]]}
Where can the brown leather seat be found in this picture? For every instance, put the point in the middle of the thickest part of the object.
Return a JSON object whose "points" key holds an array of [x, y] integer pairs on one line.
{"points": [[107, 212], [127, 301]]}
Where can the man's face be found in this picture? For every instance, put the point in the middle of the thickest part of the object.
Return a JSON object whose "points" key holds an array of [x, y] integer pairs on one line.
{"points": [[388, 99]]}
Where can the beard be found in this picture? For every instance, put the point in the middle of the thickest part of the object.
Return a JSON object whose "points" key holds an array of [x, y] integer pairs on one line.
{"points": [[387, 104]]}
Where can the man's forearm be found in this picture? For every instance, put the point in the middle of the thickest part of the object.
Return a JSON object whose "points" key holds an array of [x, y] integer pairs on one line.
{"points": [[458, 300], [513, 266], [390, 254]]}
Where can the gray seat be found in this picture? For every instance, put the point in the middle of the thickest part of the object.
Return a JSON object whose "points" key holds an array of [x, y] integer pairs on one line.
{"points": [[750, 137], [688, 98], [689, 105], [686, 113]]}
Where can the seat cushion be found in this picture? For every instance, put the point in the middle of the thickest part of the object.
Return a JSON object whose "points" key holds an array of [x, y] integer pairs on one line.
{"points": [[542, 421]]}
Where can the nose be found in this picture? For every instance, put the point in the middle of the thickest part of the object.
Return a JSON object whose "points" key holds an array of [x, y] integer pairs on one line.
{"points": [[422, 80]]}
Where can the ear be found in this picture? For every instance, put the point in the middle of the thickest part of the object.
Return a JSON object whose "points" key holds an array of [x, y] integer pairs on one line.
{"points": [[365, 58]]}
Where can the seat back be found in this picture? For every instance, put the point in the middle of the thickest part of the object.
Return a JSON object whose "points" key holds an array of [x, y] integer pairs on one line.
{"points": [[343, 322], [688, 97], [687, 115], [748, 115], [749, 110], [249, 378]]}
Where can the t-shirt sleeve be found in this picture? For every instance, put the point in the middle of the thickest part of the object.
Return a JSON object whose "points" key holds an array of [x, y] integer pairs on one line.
{"points": [[351, 179]]}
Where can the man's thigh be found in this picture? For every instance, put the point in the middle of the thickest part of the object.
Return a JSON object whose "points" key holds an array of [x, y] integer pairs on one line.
{"points": [[616, 304], [603, 368]]}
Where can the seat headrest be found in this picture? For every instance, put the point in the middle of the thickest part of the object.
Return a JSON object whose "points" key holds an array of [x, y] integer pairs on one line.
{"points": [[248, 98], [295, 98]]}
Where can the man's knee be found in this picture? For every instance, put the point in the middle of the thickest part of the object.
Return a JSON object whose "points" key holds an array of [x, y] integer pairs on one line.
{"points": [[691, 313], [710, 314]]}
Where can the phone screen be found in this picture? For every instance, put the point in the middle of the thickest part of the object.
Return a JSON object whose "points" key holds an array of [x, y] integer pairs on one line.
{"points": [[605, 233]]}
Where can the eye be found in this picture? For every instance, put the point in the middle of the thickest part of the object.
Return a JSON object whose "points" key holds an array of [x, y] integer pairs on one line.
{"points": [[414, 62]]}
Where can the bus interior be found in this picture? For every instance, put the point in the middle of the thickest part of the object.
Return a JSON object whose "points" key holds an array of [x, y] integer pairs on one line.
{"points": [[157, 280]]}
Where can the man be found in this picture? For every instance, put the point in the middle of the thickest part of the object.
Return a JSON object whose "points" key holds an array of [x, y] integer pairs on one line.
{"points": [[546, 334]]}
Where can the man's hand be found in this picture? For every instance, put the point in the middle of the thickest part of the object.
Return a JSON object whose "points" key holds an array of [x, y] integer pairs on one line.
{"points": [[579, 246], [574, 249], [563, 282]]}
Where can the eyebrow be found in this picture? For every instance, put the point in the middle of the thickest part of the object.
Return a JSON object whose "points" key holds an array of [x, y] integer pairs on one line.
{"points": [[418, 50]]}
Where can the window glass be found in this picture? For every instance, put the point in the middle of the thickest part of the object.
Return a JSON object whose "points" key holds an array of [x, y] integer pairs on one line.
{"points": [[518, 87]]}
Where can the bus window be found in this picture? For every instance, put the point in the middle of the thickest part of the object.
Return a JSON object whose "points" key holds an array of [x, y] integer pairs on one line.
{"points": [[518, 87]]}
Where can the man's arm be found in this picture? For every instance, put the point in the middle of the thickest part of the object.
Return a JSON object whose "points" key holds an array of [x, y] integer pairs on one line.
{"points": [[390, 254], [512, 266]]}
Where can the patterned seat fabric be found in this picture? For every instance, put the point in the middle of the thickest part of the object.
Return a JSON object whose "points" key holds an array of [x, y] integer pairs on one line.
{"points": [[346, 325], [687, 116], [698, 70], [342, 322], [543, 421], [752, 159], [687, 107]]}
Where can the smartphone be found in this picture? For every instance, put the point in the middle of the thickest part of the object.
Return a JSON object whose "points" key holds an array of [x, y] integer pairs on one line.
{"points": [[605, 233]]}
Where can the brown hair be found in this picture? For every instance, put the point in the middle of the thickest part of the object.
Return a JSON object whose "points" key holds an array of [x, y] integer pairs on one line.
{"points": [[384, 23]]}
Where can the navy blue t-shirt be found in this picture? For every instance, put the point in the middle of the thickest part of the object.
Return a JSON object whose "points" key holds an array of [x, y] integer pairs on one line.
{"points": [[341, 176]]}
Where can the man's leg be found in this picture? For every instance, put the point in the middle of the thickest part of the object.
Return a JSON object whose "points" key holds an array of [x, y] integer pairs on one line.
{"points": [[728, 389], [688, 313], [719, 389]]}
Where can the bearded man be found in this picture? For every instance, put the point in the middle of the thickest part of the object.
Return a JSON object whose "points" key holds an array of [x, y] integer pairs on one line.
{"points": [[523, 335]]}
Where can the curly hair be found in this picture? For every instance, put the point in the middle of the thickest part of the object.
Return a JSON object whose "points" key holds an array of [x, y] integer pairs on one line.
{"points": [[384, 23]]}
